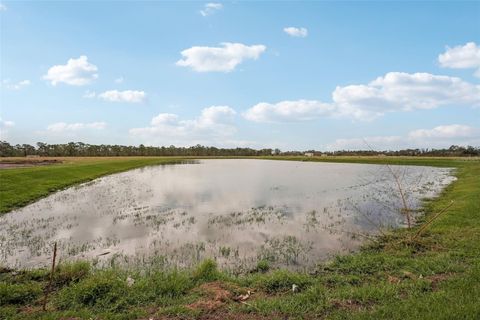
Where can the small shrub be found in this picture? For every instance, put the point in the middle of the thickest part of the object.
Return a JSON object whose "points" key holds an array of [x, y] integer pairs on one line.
{"points": [[71, 272], [104, 291], [162, 285], [262, 266], [34, 275], [206, 271]]}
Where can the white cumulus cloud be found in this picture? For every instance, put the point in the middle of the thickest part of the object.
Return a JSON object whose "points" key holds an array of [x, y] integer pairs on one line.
{"points": [[219, 59], [16, 85], [210, 8], [393, 92], [375, 142], [77, 72], [64, 127], [296, 32], [89, 94], [446, 131], [438, 137], [399, 91], [130, 96], [164, 118], [214, 124], [286, 111], [461, 57], [5, 125]]}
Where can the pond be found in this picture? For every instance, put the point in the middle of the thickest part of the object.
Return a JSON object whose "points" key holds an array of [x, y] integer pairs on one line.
{"points": [[293, 214]]}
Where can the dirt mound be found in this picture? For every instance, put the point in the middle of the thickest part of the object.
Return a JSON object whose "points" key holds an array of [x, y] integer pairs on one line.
{"points": [[214, 295]]}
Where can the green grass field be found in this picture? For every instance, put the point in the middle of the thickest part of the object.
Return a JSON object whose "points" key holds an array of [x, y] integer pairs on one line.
{"points": [[436, 276], [20, 186]]}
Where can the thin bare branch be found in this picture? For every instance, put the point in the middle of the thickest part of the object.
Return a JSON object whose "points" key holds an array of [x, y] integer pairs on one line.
{"points": [[426, 224], [405, 210], [49, 287]]}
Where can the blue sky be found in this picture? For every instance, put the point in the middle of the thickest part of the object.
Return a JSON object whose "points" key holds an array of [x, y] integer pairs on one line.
{"points": [[292, 75]]}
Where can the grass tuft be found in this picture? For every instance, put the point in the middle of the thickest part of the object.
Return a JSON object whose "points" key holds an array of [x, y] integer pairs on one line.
{"points": [[206, 271]]}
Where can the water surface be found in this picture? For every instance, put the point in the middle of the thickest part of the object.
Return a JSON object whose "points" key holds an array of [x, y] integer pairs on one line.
{"points": [[236, 211]]}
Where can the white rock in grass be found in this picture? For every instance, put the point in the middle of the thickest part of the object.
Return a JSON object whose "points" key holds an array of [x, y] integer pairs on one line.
{"points": [[130, 281], [295, 288]]}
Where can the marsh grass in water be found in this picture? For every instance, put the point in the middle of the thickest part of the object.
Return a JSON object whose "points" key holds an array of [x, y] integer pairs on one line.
{"points": [[292, 214]]}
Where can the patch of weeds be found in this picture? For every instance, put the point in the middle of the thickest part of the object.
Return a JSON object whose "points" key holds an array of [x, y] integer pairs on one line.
{"points": [[366, 263], [19, 293], [368, 294], [282, 280], [206, 271], [8, 312], [312, 302], [286, 249], [71, 272], [23, 276], [181, 312], [225, 251], [162, 286], [335, 280], [104, 290], [262, 266]]}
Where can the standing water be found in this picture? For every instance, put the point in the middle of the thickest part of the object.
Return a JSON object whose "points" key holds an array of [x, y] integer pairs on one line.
{"points": [[236, 211]]}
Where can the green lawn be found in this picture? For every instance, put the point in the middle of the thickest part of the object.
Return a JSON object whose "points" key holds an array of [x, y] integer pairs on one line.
{"points": [[437, 276]]}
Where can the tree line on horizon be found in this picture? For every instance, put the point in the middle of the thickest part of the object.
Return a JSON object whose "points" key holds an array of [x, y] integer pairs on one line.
{"points": [[80, 149]]}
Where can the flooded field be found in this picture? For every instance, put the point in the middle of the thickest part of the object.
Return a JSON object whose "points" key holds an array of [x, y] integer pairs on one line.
{"points": [[292, 214]]}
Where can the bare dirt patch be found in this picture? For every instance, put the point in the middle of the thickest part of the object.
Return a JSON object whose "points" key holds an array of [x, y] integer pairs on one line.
{"points": [[437, 278], [215, 295], [352, 305], [6, 164]]}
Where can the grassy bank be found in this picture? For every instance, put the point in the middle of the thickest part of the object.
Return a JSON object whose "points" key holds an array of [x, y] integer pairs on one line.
{"points": [[20, 186], [436, 276]]}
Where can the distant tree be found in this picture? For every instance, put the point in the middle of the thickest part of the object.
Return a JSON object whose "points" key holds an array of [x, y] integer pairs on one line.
{"points": [[83, 149], [28, 149]]}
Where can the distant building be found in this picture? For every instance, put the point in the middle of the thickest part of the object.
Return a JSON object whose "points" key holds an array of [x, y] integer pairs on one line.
{"points": [[308, 154]]}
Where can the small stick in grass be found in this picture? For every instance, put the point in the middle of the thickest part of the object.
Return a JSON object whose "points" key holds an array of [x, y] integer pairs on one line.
{"points": [[49, 287], [426, 224]]}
